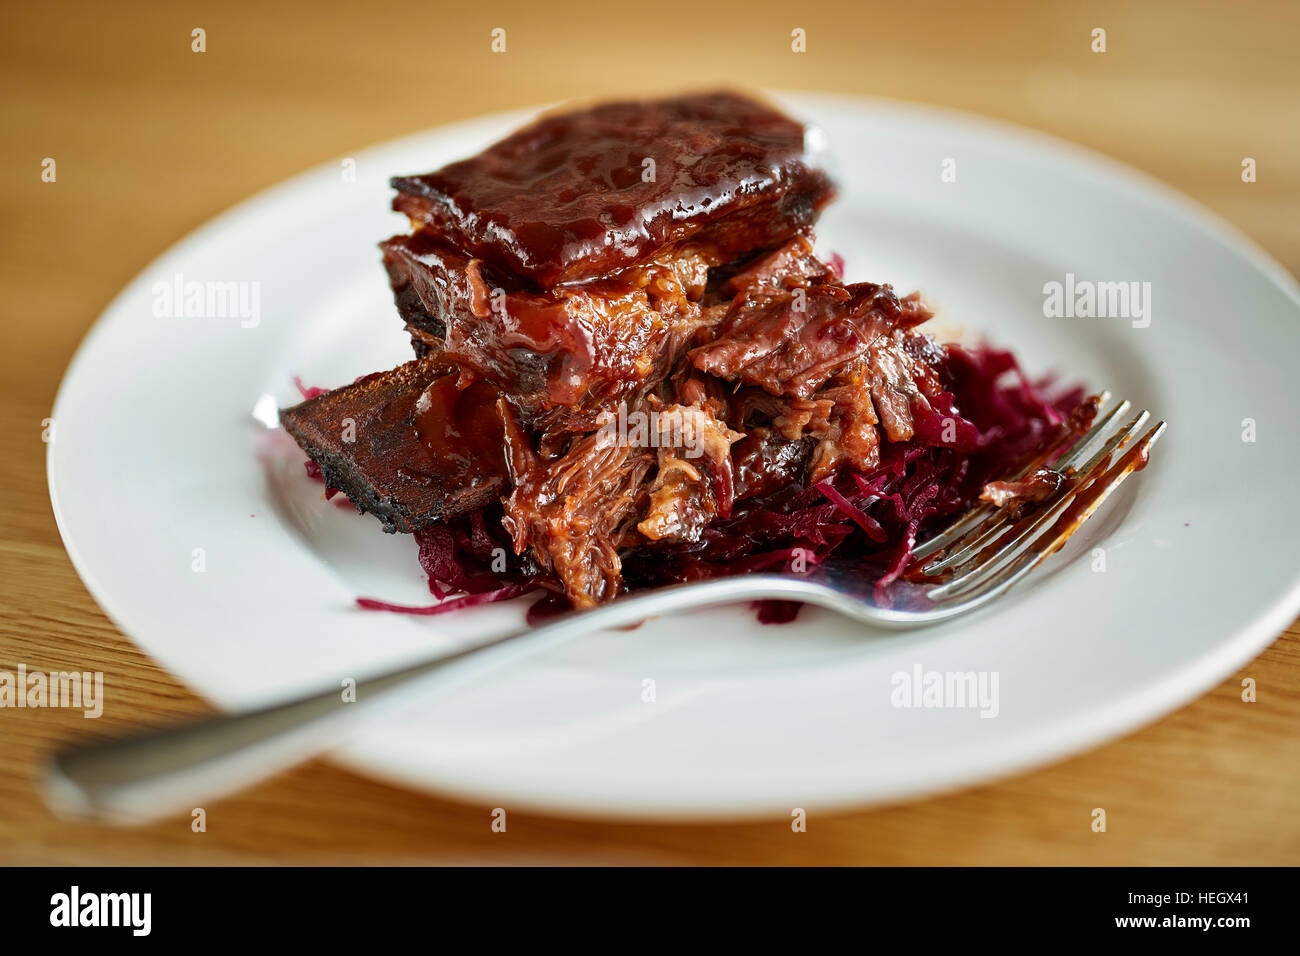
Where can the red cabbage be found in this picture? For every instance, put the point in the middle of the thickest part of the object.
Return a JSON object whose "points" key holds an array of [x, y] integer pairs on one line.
{"points": [[308, 391]]}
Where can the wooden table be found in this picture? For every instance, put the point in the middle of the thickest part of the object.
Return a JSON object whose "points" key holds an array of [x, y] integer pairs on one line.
{"points": [[151, 139]]}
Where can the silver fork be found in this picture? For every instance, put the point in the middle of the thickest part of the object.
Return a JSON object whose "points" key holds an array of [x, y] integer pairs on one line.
{"points": [[980, 555]]}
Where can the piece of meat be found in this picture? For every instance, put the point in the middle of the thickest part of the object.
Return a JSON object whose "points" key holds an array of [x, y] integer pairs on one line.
{"points": [[592, 344], [850, 436], [841, 419], [791, 342], [792, 265], [1019, 495], [681, 504], [889, 376], [571, 512], [695, 482], [585, 193], [408, 446], [765, 462], [793, 418]]}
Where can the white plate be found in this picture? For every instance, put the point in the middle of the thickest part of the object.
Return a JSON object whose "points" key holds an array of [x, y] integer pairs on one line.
{"points": [[156, 456]]}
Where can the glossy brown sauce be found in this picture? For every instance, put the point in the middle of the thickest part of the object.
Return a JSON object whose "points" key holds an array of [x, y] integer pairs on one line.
{"points": [[575, 196], [460, 431], [1135, 458]]}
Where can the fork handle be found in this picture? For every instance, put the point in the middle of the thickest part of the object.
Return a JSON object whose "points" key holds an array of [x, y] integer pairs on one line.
{"points": [[168, 770]]}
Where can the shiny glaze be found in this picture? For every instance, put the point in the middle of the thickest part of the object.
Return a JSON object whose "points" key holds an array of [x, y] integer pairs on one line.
{"points": [[460, 432], [1134, 458], [571, 197]]}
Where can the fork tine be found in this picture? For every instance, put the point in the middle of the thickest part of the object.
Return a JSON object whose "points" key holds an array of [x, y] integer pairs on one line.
{"points": [[1016, 558], [977, 515], [981, 524], [1004, 539]]}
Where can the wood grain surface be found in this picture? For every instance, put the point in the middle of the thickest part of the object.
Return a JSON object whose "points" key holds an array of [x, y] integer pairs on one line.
{"points": [[152, 139]]}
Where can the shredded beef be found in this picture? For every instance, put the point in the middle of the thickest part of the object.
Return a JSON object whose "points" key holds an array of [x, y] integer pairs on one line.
{"points": [[571, 513], [792, 341], [695, 481], [1017, 496]]}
